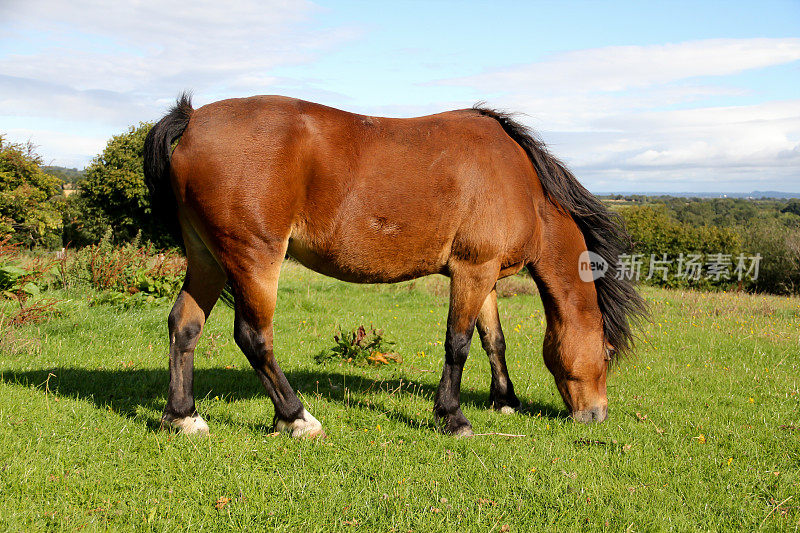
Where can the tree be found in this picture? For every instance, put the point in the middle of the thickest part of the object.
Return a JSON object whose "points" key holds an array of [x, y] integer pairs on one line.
{"points": [[67, 175], [793, 207], [29, 197], [115, 193], [83, 224], [655, 232], [779, 247]]}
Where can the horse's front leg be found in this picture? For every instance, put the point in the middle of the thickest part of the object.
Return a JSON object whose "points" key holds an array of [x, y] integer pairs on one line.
{"points": [[469, 286]]}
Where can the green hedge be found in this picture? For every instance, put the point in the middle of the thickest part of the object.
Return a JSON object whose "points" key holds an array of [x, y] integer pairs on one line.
{"points": [[657, 231]]}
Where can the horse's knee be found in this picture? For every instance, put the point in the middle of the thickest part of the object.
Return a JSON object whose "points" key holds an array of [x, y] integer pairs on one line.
{"points": [[254, 343], [184, 330], [246, 336], [493, 341], [457, 347], [242, 335], [496, 345]]}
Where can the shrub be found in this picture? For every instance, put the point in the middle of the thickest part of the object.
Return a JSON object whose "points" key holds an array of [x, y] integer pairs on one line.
{"points": [[779, 247], [126, 269], [20, 280], [29, 208], [655, 232], [359, 348], [114, 192], [23, 276], [83, 224]]}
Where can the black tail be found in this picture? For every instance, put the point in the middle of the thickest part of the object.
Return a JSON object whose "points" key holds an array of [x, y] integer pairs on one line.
{"points": [[157, 152], [603, 231]]}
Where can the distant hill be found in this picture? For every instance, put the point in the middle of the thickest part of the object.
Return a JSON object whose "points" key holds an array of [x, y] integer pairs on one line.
{"points": [[754, 194], [773, 194], [67, 175]]}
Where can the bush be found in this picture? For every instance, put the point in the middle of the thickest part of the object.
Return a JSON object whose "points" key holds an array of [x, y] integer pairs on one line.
{"points": [[359, 348], [115, 194], [779, 247], [21, 279], [129, 268], [29, 207], [23, 276], [792, 207], [82, 223], [656, 233]]}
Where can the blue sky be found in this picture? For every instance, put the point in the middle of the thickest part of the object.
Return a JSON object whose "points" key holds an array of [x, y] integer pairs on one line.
{"points": [[634, 96]]}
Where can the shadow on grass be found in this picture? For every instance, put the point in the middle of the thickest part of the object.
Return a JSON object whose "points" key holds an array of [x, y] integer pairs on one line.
{"points": [[129, 391]]}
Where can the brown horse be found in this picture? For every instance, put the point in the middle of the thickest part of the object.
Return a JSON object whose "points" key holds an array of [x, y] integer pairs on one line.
{"points": [[470, 194]]}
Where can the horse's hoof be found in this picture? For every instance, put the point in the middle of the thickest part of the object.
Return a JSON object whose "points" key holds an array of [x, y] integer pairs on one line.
{"points": [[463, 431], [188, 425], [506, 410], [306, 427], [319, 434]]}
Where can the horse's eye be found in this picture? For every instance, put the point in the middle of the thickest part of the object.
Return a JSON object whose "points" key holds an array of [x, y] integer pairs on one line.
{"points": [[610, 353]]}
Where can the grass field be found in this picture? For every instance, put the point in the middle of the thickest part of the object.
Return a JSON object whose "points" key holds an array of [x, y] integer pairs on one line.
{"points": [[703, 429]]}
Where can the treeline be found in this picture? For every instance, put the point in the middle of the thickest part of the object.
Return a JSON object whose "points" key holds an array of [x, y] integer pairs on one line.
{"points": [[730, 243], [70, 176], [721, 243], [111, 198]]}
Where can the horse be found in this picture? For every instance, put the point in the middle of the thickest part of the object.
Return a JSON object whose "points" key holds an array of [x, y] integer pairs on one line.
{"points": [[471, 194]]}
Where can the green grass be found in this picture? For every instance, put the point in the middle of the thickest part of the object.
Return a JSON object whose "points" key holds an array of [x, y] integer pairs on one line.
{"points": [[81, 397]]}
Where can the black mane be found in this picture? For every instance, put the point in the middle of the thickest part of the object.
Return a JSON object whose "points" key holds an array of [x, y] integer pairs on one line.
{"points": [[604, 231]]}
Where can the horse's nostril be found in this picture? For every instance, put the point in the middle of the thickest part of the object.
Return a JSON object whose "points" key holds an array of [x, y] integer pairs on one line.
{"points": [[600, 413], [588, 416]]}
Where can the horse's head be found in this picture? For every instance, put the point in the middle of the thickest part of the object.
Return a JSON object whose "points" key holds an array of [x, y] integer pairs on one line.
{"points": [[579, 365]]}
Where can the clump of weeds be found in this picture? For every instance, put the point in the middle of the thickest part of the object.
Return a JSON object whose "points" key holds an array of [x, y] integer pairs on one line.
{"points": [[360, 348]]}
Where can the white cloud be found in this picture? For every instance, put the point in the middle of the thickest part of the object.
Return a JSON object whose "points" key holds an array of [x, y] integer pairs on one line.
{"points": [[615, 114], [115, 64], [607, 111], [63, 148], [153, 49], [618, 68], [710, 149], [27, 97], [147, 46]]}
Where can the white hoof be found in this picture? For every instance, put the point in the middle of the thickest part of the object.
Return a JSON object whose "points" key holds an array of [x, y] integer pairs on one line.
{"points": [[189, 425], [306, 426], [506, 410], [462, 432]]}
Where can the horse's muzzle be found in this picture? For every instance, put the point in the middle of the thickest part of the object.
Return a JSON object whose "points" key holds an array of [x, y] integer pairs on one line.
{"points": [[595, 414]]}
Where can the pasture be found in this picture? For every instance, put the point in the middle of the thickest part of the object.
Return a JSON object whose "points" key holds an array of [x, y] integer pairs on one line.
{"points": [[703, 429]]}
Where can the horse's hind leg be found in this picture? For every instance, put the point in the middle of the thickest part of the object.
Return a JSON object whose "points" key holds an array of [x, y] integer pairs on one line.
{"points": [[256, 291], [469, 286], [501, 395], [201, 289]]}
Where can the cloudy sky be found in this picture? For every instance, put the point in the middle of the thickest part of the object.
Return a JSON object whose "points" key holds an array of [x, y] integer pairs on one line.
{"points": [[634, 96]]}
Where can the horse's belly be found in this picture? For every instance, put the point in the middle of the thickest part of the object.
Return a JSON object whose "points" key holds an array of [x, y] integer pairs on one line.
{"points": [[388, 262]]}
